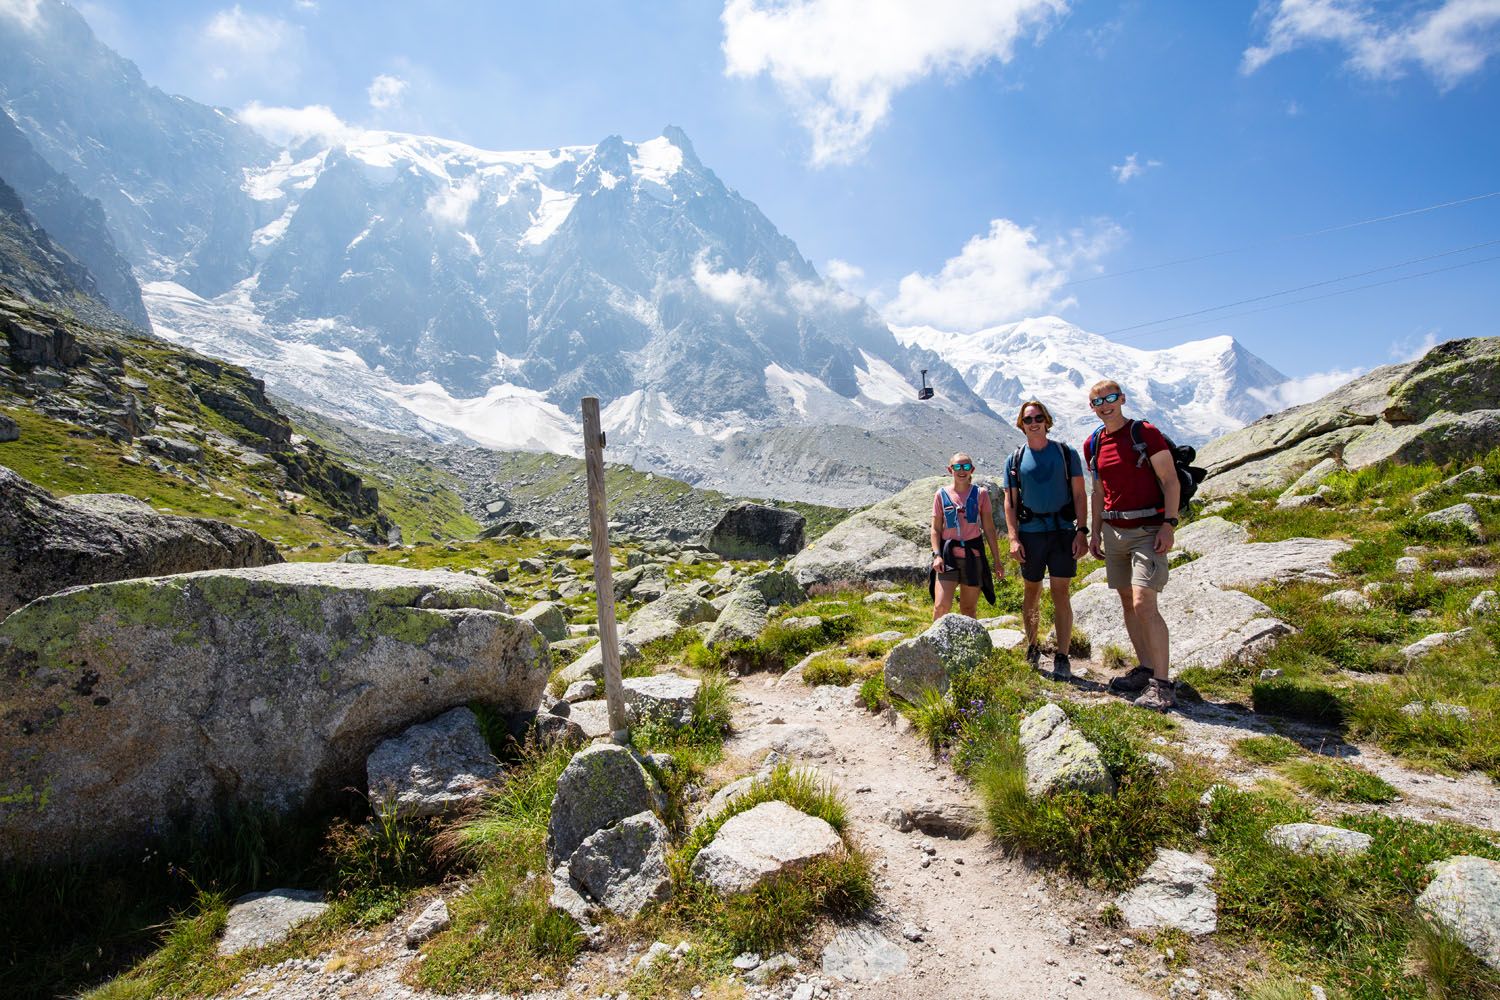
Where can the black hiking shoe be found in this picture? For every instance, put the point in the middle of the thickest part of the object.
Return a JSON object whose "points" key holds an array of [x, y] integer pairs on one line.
{"points": [[1062, 670], [1034, 656], [1134, 680]]}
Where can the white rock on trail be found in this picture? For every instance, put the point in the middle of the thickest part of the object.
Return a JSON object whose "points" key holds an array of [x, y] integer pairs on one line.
{"points": [[431, 921], [260, 919], [760, 843], [862, 955], [1175, 891]]}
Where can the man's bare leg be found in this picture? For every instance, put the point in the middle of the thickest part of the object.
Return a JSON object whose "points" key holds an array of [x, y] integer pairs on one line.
{"points": [[1154, 644], [1133, 626], [1062, 613], [1031, 609]]}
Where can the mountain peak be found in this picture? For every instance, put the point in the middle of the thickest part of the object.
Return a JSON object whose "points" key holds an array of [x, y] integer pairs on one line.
{"points": [[677, 137]]}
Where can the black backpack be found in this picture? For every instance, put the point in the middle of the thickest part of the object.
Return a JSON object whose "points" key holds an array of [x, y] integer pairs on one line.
{"points": [[1183, 456], [1067, 512]]}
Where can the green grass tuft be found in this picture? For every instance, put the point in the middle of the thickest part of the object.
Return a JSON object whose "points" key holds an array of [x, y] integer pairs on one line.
{"points": [[1337, 780], [1267, 749]]}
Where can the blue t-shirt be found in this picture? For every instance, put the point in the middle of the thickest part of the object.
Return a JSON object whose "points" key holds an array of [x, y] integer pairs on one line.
{"points": [[1042, 484]]}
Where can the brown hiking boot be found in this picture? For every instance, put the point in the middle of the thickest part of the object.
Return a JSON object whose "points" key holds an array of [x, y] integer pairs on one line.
{"points": [[1132, 681], [1160, 695]]}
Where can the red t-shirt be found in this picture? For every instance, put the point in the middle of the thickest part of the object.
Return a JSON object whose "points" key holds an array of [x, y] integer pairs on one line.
{"points": [[965, 532], [1126, 485]]}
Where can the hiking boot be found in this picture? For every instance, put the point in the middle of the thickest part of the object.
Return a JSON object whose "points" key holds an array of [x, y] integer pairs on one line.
{"points": [[1034, 655], [1160, 695], [1131, 682], [1062, 670]]}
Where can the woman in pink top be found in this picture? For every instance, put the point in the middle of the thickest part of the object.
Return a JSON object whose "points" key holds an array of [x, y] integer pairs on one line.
{"points": [[957, 527]]}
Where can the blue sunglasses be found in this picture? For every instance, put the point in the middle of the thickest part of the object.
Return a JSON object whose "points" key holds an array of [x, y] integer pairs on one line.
{"points": [[1113, 397]]}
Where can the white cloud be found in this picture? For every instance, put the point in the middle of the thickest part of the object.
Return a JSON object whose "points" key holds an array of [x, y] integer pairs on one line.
{"points": [[1449, 41], [1002, 275], [238, 43], [385, 91], [1296, 391], [290, 126], [1412, 348], [1132, 167], [839, 62], [451, 205], [843, 273], [730, 287], [28, 13]]}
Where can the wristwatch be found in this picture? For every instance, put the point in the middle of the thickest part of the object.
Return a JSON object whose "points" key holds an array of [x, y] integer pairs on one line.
{"points": [[1171, 520], [1082, 530]]}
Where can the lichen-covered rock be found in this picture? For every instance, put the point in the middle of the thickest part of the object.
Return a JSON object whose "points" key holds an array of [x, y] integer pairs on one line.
{"points": [[432, 769], [1176, 891], [1059, 757], [548, 619], [130, 705], [1351, 599], [777, 586], [261, 919], [1437, 709], [760, 843], [666, 616], [952, 644], [624, 867], [743, 618], [1430, 644], [1462, 516], [755, 531], [590, 663], [1464, 898], [1486, 602], [887, 541], [48, 544], [1317, 838], [601, 785], [664, 698]]}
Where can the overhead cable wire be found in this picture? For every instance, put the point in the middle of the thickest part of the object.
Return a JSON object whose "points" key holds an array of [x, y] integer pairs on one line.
{"points": [[1300, 288]]}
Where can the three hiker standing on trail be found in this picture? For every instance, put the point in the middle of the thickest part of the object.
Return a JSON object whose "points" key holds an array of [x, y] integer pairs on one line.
{"points": [[1043, 494], [1133, 515], [963, 525]]}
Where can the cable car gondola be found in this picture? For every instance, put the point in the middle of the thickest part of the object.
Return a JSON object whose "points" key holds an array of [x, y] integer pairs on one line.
{"points": [[926, 391]]}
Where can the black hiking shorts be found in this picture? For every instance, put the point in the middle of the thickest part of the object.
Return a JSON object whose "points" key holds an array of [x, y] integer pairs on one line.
{"points": [[1048, 553]]}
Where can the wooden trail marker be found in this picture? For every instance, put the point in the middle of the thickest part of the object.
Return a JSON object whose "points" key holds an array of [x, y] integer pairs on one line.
{"points": [[604, 584]]}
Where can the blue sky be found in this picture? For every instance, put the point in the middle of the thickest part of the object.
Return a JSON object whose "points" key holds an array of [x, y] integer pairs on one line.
{"points": [[969, 162]]}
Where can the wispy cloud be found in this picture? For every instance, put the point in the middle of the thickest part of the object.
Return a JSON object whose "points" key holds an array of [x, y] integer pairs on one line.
{"points": [[240, 43], [1296, 391], [1412, 348], [290, 126], [1449, 41], [1132, 168], [28, 13], [999, 276], [385, 91], [731, 287], [451, 204], [843, 273], [840, 62]]}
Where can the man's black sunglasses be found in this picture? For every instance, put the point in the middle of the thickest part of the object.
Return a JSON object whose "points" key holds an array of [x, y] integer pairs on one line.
{"points": [[1035, 418], [1113, 397], [962, 467]]}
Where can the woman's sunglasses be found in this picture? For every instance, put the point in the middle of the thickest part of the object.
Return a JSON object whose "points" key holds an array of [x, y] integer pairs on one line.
{"points": [[1113, 397], [962, 467], [1035, 418]]}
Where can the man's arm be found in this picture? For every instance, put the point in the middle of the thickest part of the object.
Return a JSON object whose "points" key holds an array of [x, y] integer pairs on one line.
{"points": [[1171, 491], [1096, 520], [1013, 530], [1080, 542]]}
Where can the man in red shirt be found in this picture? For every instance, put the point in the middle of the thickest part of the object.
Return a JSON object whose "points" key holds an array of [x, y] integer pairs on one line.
{"points": [[1133, 514]]}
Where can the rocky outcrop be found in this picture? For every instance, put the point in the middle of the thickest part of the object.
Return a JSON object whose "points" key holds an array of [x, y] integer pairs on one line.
{"points": [[47, 543], [1208, 626], [131, 705], [761, 843], [432, 769], [1437, 408], [1464, 898], [1175, 891], [889, 541], [755, 531], [624, 867], [952, 644], [1208, 534], [1059, 757]]}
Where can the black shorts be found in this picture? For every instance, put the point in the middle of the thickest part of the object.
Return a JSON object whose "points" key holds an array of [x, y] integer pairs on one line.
{"points": [[1050, 553]]}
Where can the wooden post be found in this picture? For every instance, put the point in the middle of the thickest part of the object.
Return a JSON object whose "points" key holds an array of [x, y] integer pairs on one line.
{"points": [[604, 584]]}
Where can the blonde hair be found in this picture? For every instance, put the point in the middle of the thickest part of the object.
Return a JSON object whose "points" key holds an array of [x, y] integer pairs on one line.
{"points": [[1107, 383], [1046, 413]]}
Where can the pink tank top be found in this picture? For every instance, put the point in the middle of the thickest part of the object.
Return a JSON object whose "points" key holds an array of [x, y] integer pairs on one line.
{"points": [[966, 532]]}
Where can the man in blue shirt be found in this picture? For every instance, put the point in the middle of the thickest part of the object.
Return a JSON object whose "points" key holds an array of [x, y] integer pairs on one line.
{"points": [[1043, 495]]}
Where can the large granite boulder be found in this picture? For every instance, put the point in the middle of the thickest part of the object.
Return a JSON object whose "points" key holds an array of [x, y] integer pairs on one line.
{"points": [[755, 531], [952, 644], [664, 698], [666, 616], [760, 843], [1059, 757], [432, 769], [47, 543], [1294, 560], [1464, 898], [743, 618], [1436, 408], [128, 706], [548, 619], [889, 541], [601, 785], [624, 867], [1208, 534]]}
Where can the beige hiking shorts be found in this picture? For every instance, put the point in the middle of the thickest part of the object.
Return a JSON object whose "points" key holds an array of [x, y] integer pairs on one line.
{"points": [[1131, 559]]}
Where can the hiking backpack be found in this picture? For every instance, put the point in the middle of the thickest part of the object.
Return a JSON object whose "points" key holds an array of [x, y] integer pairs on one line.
{"points": [[1067, 512], [1183, 456]]}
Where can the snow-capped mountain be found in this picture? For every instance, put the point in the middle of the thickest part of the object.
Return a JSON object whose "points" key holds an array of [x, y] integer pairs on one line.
{"points": [[1193, 392]]}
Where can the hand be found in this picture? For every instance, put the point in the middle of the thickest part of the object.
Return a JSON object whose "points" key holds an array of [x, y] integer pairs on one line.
{"points": [[1080, 545], [1096, 546], [937, 564], [1164, 539], [1017, 550]]}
